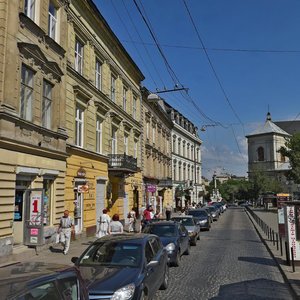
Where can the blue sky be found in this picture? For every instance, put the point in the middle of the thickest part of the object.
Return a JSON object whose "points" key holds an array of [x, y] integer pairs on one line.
{"points": [[254, 47]]}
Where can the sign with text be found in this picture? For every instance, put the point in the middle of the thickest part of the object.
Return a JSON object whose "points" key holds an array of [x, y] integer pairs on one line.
{"points": [[151, 188], [291, 232]]}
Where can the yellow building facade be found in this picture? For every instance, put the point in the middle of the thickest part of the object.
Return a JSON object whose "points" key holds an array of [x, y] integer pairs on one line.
{"points": [[102, 120]]}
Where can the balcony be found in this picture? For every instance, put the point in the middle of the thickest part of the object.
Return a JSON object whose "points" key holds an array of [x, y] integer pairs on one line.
{"points": [[165, 182], [122, 164]]}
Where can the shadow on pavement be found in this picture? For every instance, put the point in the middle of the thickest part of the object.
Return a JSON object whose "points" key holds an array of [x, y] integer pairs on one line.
{"points": [[258, 260], [259, 289], [55, 250]]}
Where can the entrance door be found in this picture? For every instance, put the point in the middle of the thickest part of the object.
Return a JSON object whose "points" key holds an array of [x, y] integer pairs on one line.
{"points": [[19, 212], [100, 196], [78, 213]]}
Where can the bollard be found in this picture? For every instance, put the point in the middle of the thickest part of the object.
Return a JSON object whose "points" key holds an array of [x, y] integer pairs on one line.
{"points": [[287, 254], [277, 241], [280, 243], [293, 262], [268, 232], [273, 236]]}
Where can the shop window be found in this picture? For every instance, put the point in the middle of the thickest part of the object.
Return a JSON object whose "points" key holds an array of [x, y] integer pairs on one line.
{"points": [[21, 186], [47, 186]]}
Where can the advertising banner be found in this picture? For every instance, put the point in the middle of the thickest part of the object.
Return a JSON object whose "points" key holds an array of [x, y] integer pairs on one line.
{"points": [[291, 232]]}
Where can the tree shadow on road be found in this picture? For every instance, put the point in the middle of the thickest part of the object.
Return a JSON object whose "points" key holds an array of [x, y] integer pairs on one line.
{"points": [[258, 289], [258, 260]]}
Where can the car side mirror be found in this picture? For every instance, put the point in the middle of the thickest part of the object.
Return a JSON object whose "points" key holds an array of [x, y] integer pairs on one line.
{"points": [[74, 260], [152, 263]]}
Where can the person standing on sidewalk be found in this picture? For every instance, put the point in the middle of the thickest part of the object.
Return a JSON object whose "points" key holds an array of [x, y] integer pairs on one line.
{"points": [[168, 209], [115, 225], [66, 227], [103, 221]]}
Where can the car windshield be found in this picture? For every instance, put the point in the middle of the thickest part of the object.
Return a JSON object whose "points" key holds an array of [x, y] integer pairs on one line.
{"points": [[198, 213], [113, 253], [161, 230], [185, 221]]}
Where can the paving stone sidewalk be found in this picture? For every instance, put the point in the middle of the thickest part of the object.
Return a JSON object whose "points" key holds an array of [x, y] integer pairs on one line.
{"points": [[271, 219]]}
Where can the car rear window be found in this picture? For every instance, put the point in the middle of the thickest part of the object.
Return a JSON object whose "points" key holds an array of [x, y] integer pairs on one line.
{"points": [[198, 213], [185, 221], [161, 230], [113, 253]]}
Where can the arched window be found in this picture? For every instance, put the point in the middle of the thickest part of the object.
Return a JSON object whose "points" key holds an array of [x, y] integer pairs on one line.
{"points": [[260, 154]]}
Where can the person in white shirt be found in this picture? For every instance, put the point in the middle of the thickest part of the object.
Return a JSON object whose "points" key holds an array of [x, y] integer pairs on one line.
{"points": [[115, 225], [103, 222], [66, 227]]}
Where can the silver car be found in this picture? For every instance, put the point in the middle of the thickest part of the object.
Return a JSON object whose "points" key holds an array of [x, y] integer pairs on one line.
{"points": [[192, 227]]}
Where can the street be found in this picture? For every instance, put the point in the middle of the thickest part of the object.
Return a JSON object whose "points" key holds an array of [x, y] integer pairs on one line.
{"points": [[229, 262]]}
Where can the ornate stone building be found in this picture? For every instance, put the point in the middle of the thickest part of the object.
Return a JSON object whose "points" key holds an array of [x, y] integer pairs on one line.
{"points": [[32, 118], [157, 175]]}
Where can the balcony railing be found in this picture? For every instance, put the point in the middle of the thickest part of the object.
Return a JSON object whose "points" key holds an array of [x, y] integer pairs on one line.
{"points": [[166, 182], [122, 162]]}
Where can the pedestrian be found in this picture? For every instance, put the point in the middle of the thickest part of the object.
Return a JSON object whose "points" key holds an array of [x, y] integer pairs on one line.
{"points": [[66, 227], [132, 220], [147, 215], [168, 209], [115, 226], [103, 221]]}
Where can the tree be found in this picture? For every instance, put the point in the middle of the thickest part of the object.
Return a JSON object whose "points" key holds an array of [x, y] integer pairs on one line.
{"points": [[292, 151]]}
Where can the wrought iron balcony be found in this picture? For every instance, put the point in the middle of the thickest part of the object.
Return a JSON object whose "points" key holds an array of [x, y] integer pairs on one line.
{"points": [[165, 182], [122, 163]]}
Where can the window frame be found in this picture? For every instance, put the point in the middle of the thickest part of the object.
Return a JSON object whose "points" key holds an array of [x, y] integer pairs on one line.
{"points": [[99, 123], [113, 80], [30, 8], [126, 144], [79, 124], [114, 140], [26, 85], [125, 91], [78, 64], [260, 153], [134, 106], [98, 74], [47, 118], [52, 19]]}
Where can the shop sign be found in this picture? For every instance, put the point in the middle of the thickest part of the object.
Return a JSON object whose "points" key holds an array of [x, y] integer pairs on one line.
{"points": [[35, 211], [81, 172], [83, 188], [151, 188], [291, 228]]}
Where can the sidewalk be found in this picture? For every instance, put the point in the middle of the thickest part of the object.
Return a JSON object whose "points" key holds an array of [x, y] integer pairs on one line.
{"points": [[270, 218]]}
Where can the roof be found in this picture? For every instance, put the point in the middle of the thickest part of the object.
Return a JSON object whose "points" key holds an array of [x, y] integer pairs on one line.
{"points": [[269, 127]]}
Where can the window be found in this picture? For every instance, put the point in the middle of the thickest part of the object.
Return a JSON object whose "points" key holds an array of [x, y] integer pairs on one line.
{"points": [[78, 56], [135, 149], [79, 127], [179, 172], [174, 144], [153, 134], [26, 93], [126, 144], [260, 154], [148, 252], [30, 9], [179, 146], [52, 20], [124, 98], [183, 149], [47, 104], [134, 102], [99, 135], [147, 130], [98, 75], [113, 88], [114, 141]]}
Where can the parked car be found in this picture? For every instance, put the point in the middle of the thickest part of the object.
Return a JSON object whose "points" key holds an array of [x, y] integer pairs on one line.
{"points": [[202, 218], [124, 266], [192, 227], [215, 212], [38, 280], [174, 236]]}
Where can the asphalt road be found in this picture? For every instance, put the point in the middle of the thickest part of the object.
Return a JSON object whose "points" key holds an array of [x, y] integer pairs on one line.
{"points": [[229, 262]]}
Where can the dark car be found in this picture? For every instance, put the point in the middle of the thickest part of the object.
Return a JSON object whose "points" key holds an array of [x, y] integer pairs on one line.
{"points": [[192, 227], [174, 236], [215, 212], [124, 266], [38, 280], [201, 217]]}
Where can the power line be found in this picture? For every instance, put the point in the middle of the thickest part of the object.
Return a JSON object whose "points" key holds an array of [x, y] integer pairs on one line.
{"points": [[211, 65], [217, 49]]}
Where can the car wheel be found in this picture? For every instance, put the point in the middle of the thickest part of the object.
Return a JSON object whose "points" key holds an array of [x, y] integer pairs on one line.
{"points": [[177, 259], [165, 282]]}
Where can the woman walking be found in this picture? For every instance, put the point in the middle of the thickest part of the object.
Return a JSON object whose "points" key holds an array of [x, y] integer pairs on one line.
{"points": [[115, 226], [104, 222]]}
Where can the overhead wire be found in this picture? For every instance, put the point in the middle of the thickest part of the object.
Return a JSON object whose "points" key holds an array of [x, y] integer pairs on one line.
{"points": [[144, 45], [211, 65]]}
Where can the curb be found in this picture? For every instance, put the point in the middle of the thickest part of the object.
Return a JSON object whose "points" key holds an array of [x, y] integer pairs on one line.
{"points": [[285, 278]]}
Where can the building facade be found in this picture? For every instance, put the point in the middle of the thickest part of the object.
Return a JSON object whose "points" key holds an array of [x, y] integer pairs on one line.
{"points": [[103, 120], [186, 161], [32, 123], [157, 175]]}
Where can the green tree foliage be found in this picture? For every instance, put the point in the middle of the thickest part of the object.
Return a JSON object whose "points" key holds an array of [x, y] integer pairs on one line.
{"points": [[292, 151]]}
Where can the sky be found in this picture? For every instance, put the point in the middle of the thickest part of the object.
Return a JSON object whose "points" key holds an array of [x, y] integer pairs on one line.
{"points": [[237, 58]]}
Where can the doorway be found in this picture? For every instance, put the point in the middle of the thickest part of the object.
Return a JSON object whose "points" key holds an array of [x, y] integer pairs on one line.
{"points": [[100, 199], [78, 212]]}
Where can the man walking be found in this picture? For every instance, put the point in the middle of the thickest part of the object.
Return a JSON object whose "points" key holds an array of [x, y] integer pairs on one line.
{"points": [[66, 226], [168, 211]]}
